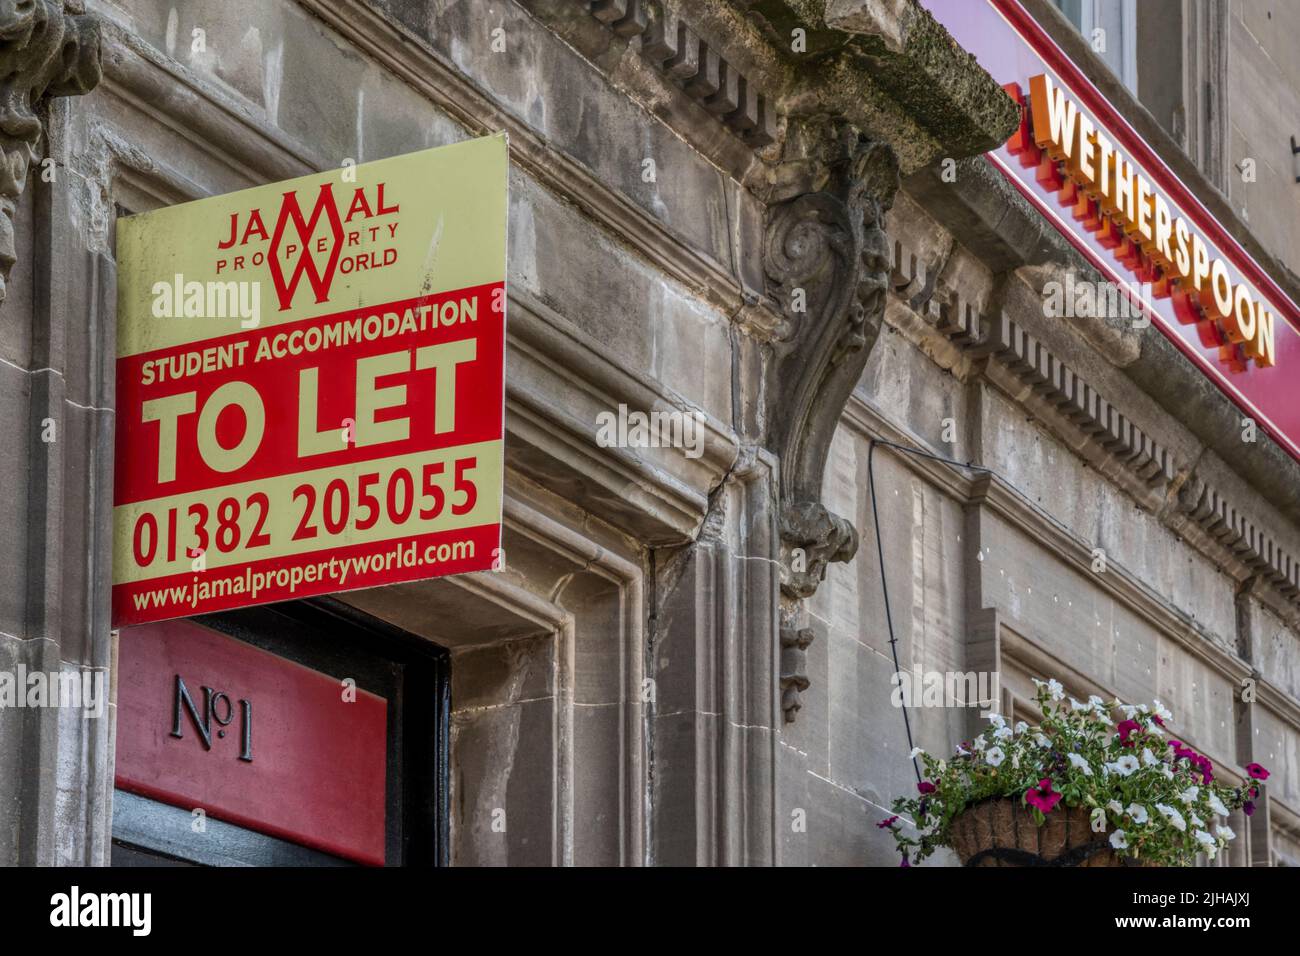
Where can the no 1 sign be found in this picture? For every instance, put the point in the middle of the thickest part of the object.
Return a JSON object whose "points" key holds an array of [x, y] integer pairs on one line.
{"points": [[353, 438]]}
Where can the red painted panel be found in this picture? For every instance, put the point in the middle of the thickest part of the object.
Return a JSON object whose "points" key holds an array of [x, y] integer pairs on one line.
{"points": [[318, 768]]}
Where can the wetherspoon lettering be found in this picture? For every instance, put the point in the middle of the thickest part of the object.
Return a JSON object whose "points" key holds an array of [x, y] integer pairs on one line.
{"points": [[1110, 195]]}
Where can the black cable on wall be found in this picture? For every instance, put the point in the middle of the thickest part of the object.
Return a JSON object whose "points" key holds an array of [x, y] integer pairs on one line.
{"points": [[880, 553]]}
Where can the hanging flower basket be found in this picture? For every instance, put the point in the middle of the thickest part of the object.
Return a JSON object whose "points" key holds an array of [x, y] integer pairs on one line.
{"points": [[1001, 832], [1094, 784]]}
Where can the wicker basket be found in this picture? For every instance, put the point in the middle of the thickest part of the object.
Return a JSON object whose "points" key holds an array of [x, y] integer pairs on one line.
{"points": [[1001, 832]]}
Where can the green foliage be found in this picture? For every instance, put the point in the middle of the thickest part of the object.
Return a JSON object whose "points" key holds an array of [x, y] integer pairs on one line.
{"points": [[1154, 797]]}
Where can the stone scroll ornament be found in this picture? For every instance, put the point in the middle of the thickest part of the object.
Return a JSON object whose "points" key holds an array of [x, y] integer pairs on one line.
{"points": [[48, 48], [826, 261]]}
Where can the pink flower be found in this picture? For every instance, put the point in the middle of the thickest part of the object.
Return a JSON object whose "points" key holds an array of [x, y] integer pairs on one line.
{"points": [[1126, 729], [1249, 808], [1256, 771], [1156, 718], [886, 823], [925, 786], [904, 863], [1205, 766], [1181, 751], [1042, 797]]}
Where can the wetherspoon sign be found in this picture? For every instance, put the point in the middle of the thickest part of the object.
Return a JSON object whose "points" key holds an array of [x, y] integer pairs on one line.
{"points": [[1096, 179], [310, 385]]}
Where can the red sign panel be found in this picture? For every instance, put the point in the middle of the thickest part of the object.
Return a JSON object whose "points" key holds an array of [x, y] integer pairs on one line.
{"points": [[208, 722], [1257, 373]]}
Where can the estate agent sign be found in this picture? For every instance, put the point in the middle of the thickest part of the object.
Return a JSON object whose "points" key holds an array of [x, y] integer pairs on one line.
{"points": [[310, 385]]}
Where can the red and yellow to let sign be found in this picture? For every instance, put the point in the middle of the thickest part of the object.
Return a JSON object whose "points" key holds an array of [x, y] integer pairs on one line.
{"points": [[310, 385]]}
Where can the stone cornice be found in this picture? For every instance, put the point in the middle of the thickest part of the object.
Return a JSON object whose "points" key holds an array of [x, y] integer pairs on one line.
{"points": [[892, 69], [987, 216], [673, 47], [888, 68], [1096, 430]]}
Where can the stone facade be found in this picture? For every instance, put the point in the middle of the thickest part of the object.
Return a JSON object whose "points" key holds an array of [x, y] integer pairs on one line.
{"points": [[685, 660]]}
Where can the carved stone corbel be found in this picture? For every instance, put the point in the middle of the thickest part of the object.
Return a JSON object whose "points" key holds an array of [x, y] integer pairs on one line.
{"points": [[794, 668], [826, 261], [47, 48]]}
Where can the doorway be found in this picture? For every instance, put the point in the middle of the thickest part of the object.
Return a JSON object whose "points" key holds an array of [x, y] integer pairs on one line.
{"points": [[302, 733]]}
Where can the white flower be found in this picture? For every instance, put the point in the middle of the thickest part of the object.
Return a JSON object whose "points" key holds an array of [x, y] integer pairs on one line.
{"points": [[1015, 760], [1099, 705], [980, 743], [1002, 733], [1115, 807], [1080, 764], [1138, 813], [1098, 821], [1042, 741], [942, 765], [1148, 757], [1196, 821], [1173, 816], [1225, 832], [1075, 705], [1118, 840], [995, 756], [1021, 727], [1125, 765], [1161, 711], [1164, 769], [962, 751], [1190, 794], [997, 720], [1128, 709], [916, 752], [1204, 839], [1054, 689], [1216, 804]]}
